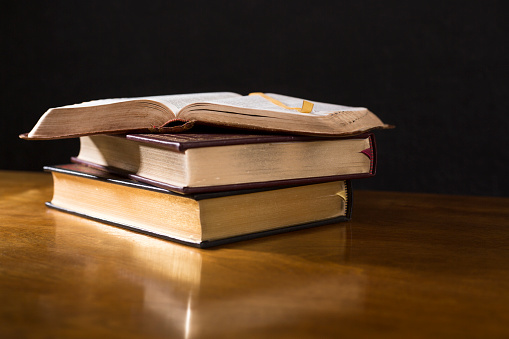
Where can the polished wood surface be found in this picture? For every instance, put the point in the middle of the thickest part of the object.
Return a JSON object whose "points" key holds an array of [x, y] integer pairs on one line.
{"points": [[407, 265]]}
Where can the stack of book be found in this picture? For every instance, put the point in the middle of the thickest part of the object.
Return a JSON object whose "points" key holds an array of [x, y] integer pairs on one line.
{"points": [[149, 164]]}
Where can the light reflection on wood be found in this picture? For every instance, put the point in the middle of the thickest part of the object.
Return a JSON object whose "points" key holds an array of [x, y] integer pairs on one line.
{"points": [[184, 287]]}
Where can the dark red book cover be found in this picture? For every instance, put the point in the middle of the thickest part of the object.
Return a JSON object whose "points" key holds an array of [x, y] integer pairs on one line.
{"points": [[181, 142]]}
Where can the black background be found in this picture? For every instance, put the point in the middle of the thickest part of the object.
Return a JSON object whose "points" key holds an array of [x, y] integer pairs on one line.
{"points": [[435, 69]]}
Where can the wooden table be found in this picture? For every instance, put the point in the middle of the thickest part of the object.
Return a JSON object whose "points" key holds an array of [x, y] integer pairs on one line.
{"points": [[407, 265]]}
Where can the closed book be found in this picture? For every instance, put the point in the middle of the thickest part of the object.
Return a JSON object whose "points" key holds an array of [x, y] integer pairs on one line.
{"points": [[215, 162], [200, 220]]}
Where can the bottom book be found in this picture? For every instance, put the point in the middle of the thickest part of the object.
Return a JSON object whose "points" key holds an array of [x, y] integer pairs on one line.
{"points": [[199, 220]]}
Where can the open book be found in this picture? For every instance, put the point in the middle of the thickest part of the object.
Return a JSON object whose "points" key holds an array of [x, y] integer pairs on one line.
{"points": [[257, 111]]}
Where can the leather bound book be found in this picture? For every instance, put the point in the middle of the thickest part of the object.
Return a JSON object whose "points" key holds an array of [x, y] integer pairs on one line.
{"points": [[214, 162], [200, 220]]}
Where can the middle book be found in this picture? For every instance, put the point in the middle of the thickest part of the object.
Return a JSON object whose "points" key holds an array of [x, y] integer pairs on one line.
{"points": [[213, 162]]}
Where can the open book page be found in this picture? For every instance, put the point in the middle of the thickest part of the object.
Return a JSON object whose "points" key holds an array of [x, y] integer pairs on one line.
{"points": [[177, 102], [275, 112], [256, 102], [174, 102], [319, 108], [115, 115]]}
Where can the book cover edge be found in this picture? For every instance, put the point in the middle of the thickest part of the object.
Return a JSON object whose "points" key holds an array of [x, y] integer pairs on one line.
{"points": [[228, 140]]}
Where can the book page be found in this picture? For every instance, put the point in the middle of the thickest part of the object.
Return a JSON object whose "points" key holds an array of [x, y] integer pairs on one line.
{"points": [[174, 102], [256, 102], [318, 107], [275, 112], [177, 101]]}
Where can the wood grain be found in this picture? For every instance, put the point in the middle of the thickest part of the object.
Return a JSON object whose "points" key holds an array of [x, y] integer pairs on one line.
{"points": [[407, 265]]}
